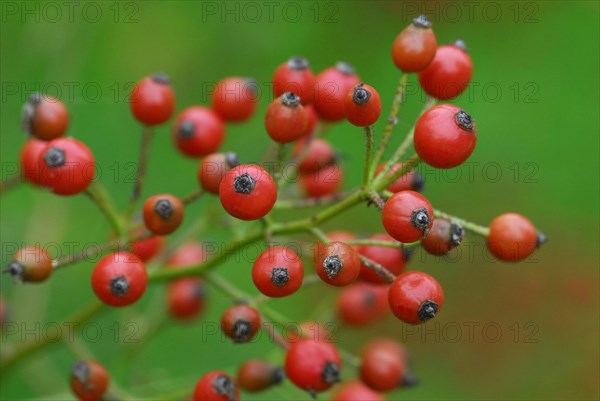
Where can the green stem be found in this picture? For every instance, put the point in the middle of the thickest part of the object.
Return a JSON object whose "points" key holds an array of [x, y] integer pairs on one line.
{"points": [[384, 179], [310, 202], [11, 183], [278, 176], [388, 244], [141, 171], [370, 143], [186, 200], [98, 194], [467, 225]]}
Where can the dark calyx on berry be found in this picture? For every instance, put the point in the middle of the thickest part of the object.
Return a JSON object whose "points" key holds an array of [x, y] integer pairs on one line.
{"points": [[280, 276], [457, 232], [461, 45], [464, 120], [29, 111], [298, 63], [163, 208], [16, 270], [418, 182], [186, 130], [420, 219], [332, 265], [54, 157], [427, 310], [360, 95], [331, 373], [541, 239], [278, 375], [81, 371], [223, 385], [251, 85], [161, 78], [345, 68], [119, 286], [422, 22], [409, 380], [244, 184], [232, 159], [290, 99], [241, 331]]}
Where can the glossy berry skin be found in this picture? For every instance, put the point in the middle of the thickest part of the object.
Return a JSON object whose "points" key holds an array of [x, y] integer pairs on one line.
{"points": [[356, 391], [394, 259], [411, 181], [445, 136], [415, 297], [186, 298], [285, 118], [240, 323], [66, 166], [318, 155], [331, 87], [443, 237], [362, 303], [278, 272], [336, 263], [407, 216], [257, 375], [198, 131], [216, 386], [513, 237], [89, 380], [313, 366], [322, 182], [311, 119], [213, 168], [414, 48], [189, 254], [163, 214], [30, 264], [362, 105], [30, 160], [383, 365], [119, 279], [147, 248], [44, 117], [449, 73], [152, 100], [295, 76], [234, 99], [247, 192]]}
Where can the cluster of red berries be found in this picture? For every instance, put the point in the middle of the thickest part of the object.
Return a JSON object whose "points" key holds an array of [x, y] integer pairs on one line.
{"points": [[371, 273]]}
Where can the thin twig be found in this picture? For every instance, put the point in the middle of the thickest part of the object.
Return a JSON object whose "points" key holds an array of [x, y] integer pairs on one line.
{"points": [[369, 144], [11, 183], [197, 194], [100, 197], [467, 225], [311, 202], [141, 170]]}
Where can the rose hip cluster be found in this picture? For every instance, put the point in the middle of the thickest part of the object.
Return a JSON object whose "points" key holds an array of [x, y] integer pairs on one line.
{"points": [[371, 271]]}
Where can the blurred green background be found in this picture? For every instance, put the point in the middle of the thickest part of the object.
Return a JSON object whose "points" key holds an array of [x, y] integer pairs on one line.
{"points": [[534, 98]]}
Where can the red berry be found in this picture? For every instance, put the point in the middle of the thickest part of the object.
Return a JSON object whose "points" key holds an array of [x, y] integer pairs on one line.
{"points": [[216, 386], [66, 166], [152, 100], [240, 323], [189, 254], [147, 248], [415, 297], [30, 264], [89, 380], [247, 192], [407, 216], [322, 182], [331, 86], [414, 48], [315, 331], [295, 76], [362, 105], [445, 136], [235, 98], [383, 364], [313, 366], [278, 272], [44, 117], [393, 259], [448, 75], [198, 131], [513, 237], [186, 298], [318, 155], [311, 119], [412, 180], [30, 160], [213, 168], [356, 391], [285, 118], [362, 303], [443, 237], [336, 263], [119, 279], [257, 375], [163, 214]]}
